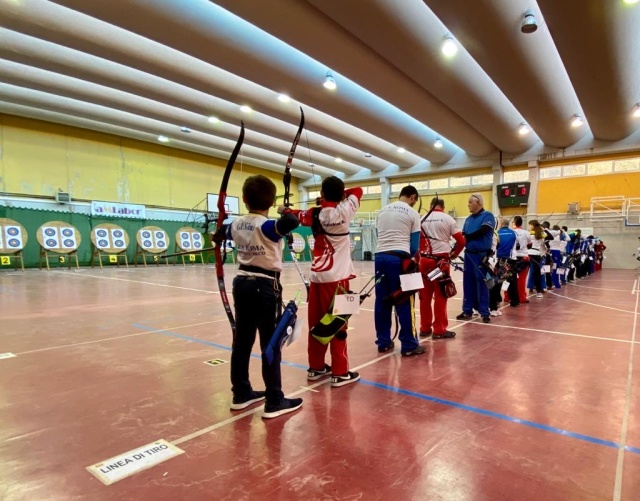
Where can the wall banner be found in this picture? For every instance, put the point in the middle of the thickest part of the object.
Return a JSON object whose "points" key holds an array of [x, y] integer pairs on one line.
{"points": [[114, 209]]}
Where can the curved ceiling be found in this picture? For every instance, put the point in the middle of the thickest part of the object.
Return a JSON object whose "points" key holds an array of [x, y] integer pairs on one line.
{"points": [[141, 69]]}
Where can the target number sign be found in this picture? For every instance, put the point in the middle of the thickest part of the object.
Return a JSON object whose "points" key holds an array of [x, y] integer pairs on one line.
{"points": [[5, 260], [113, 259], [62, 259], [192, 258]]}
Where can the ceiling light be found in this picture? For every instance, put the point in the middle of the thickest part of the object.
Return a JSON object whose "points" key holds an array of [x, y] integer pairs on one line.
{"points": [[185, 129], [163, 139], [529, 24], [329, 82], [523, 129], [630, 2], [311, 164], [213, 120], [338, 160], [367, 155], [283, 98], [245, 109], [438, 144], [576, 121], [449, 47], [401, 150], [636, 110]]}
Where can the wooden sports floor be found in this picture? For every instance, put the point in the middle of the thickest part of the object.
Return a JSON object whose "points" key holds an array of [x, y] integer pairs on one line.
{"points": [[541, 404]]}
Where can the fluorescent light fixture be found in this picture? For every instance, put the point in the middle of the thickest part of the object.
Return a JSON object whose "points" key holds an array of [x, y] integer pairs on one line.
{"points": [[283, 98], [245, 109], [329, 82], [438, 144], [523, 129], [401, 150], [213, 120], [576, 121], [630, 2], [636, 110], [311, 164], [367, 155], [338, 160], [185, 129], [449, 47], [163, 139]]}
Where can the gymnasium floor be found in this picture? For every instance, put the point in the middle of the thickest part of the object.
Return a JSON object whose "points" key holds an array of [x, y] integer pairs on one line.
{"points": [[541, 404]]}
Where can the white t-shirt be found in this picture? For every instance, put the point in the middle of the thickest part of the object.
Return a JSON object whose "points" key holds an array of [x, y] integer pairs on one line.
{"points": [[254, 247], [523, 237], [395, 223], [439, 228]]}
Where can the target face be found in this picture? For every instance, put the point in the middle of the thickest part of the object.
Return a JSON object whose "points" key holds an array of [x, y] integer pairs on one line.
{"points": [[51, 242], [146, 234], [67, 232], [68, 243], [101, 233], [186, 244], [147, 244], [14, 243], [50, 232], [12, 231], [119, 243], [184, 235], [196, 236], [118, 233], [161, 244], [103, 244], [197, 245], [159, 235]]}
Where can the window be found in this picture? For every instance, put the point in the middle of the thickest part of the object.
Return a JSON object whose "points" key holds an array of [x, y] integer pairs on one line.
{"points": [[439, 184], [516, 176], [457, 182], [397, 188], [628, 164], [482, 179], [550, 172], [373, 190], [595, 168], [313, 195], [421, 185], [574, 170]]}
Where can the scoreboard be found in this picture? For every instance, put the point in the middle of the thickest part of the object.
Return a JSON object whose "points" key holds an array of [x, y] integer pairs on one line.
{"points": [[513, 194]]}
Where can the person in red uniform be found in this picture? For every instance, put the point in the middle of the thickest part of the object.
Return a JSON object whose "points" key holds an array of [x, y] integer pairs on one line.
{"points": [[435, 252], [331, 270]]}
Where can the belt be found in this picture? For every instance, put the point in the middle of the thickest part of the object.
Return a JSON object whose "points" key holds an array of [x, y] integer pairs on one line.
{"points": [[262, 271]]}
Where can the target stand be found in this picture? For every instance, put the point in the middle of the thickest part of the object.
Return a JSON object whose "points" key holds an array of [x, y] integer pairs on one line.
{"points": [[58, 240], [189, 240], [311, 242], [13, 238], [151, 241], [109, 241]]}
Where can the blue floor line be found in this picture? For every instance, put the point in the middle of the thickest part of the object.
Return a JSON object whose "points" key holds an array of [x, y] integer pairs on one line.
{"points": [[450, 403]]}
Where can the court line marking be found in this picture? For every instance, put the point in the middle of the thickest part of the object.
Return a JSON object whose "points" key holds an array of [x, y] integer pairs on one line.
{"points": [[142, 282], [592, 304], [617, 490], [596, 288], [114, 338]]}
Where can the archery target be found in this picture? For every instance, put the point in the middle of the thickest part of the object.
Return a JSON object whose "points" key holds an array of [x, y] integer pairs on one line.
{"points": [[68, 237], [12, 238], [161, 239], [117, 239], [147, 243], [50, 237], [101, 238], [185, 240], [311, 241], [298, 243]]}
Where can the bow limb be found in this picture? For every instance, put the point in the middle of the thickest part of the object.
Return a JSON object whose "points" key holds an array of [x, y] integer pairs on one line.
{"points": [[222, 215], [287, 183]]}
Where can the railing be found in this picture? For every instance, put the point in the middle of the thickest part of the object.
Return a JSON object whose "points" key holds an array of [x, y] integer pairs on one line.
{"points": [[616, 208]]}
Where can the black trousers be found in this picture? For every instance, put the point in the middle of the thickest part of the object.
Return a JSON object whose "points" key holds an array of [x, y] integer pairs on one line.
{"points": [[257, 306]]}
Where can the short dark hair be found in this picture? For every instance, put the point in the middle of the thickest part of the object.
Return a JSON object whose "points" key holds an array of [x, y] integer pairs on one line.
{"points": [[567, 229], [333, 189], [259, 192], [437, 202], [546, 224], [517, 220], [408, 191]]}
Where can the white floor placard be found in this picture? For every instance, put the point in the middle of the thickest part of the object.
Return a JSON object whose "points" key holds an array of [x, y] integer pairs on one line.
{"points": [[129, 463]]}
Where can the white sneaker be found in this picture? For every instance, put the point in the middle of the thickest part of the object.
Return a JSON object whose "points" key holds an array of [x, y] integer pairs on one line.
{"points": [[494, 313], [475, 313], [539, 295]]}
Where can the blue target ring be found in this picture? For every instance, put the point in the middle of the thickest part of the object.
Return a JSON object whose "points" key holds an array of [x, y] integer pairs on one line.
{"points": [[147, 243], [51, 242], [69, 243], [160, 235], [50, 232], [103, 243], [118, 243], [12, 231], [161, 244], [197, 245], [196, 236], [101, 233], [117, 233], [14, 242], [184, 235], [67, 232], [146, 234], [186, 245]]}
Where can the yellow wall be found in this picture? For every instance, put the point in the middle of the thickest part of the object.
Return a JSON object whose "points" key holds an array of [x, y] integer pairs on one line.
{"points": [[38, 158], [555, 194]]}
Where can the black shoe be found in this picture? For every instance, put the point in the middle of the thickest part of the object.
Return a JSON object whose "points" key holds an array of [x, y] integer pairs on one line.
{"points": [[418, 350], [525, 301], [514, 304], [486, 320], [348, 378], [426, 333], [464, 316], [313, 375], [445, 335], [384, 349], [285, 406], [242, 403]]}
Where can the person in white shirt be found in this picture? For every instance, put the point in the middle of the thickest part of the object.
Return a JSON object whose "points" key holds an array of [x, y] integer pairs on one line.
{"points": [[398, 226]]}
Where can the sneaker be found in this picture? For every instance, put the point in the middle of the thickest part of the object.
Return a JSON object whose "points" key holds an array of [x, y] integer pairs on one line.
{"points": [[538, 295], [494, 313], [384, 349], [426, 333], [475, 313], [486, 320], [314, 375], [418, 350], [285, 406], [349, 377], [445, 335], [464, 316], [242, 403]]}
